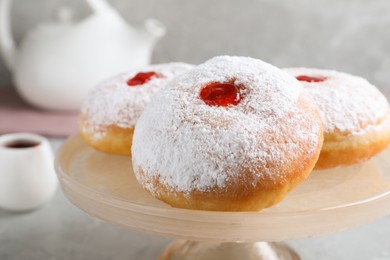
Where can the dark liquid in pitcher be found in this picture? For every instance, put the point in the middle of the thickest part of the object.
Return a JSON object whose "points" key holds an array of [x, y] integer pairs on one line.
{"points": [[19, 144]]}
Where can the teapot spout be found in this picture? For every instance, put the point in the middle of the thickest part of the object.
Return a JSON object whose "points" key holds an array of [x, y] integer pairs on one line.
{"points": [[155, 28]]}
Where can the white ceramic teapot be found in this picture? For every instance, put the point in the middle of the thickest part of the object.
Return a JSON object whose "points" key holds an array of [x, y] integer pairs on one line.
{"points": [[58, 63]]}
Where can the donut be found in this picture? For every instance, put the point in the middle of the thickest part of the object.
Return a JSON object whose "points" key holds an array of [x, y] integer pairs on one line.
{"points": [[110, 111], [355, 115], [227, 136]]}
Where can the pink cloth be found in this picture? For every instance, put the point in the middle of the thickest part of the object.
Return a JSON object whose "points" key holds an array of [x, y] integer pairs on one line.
{"points": [[17, 116]]}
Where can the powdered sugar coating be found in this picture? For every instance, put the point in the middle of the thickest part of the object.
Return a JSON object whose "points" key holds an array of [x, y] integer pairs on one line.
{"points": [[113, 102], [190, 146], [346, 103]]}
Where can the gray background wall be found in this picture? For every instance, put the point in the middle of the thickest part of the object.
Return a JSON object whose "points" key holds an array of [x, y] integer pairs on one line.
{"points": [[351, 36]]}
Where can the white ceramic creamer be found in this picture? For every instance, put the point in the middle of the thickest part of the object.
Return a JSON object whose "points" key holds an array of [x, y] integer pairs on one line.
{"points": [[27, 175]]}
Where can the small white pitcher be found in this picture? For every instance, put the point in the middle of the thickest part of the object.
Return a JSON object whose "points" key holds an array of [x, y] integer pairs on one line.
{"points": [[27, 176]]}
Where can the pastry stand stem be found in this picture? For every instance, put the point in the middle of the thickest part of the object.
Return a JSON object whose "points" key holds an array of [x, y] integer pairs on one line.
{"points": [[197, 250]]}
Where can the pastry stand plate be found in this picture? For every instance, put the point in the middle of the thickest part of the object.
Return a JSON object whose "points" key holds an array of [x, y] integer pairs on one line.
{"points": [[328, 201]]}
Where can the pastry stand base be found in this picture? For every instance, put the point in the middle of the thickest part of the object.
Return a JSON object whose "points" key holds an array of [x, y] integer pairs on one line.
{"points": [[195, 250], [329, 201]]}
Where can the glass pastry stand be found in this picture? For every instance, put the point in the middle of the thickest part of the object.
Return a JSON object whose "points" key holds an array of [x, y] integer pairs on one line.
{"points": [[329, 201]]}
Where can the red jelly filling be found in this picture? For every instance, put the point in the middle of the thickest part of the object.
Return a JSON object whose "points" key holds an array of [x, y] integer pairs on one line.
{"points": [[220, 94], [310, 79], [141, 78]]}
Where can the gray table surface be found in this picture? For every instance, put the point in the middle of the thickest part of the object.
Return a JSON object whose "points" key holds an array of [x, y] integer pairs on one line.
{"points": [[62, 231]]}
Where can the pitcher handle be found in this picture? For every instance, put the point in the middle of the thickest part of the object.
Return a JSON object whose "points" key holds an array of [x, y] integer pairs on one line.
{"points": [[7, 43]]}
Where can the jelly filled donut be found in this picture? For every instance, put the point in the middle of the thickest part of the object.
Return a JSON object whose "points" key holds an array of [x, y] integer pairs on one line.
{"points": [[110, 112], [232, 134], [355, 115]]}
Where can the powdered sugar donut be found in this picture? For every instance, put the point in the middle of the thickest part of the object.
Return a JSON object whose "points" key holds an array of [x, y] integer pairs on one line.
{"points": [[227, 135], [110, 112], [355, 115]]}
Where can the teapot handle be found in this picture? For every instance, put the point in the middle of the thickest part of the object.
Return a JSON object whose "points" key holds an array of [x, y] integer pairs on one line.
{"points": [[7, 44]]}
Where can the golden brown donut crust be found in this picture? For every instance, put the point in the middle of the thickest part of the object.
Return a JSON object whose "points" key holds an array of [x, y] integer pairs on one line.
{"points": [[238, 195], [116, 140], [343, 149]]}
